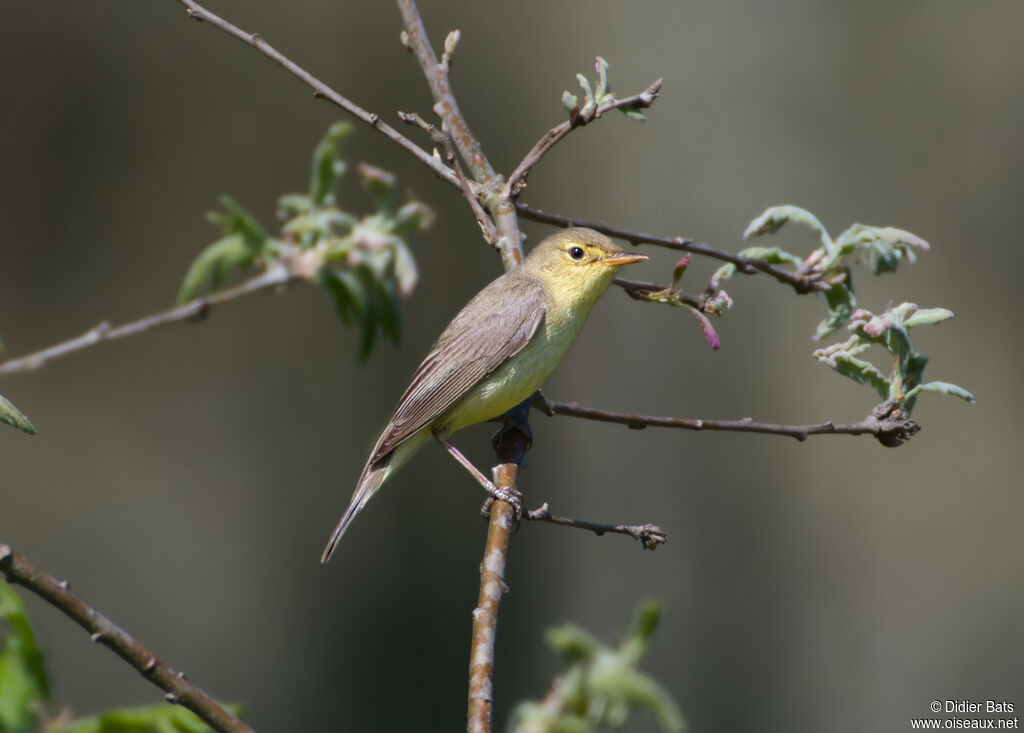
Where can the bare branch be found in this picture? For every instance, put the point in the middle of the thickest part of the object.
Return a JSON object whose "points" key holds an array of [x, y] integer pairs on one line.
{"points": [[322, 90], [748, 265], [278, 274], [179, 690], [887, 422], [649, 535], [516, 181]]}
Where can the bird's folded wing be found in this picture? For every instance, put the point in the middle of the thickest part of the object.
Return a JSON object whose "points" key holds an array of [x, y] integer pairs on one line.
{"points": [[486, 333]]}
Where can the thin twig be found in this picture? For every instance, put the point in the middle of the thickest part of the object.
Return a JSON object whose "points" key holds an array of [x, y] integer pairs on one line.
{"points": [[649, 535], [887, 422], [555, 135], [487, 228], [642, 290], [278, 274], [178, 688], [322, 90], [747, 265]]}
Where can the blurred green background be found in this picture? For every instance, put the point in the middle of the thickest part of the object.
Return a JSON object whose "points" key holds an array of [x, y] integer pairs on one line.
{"points": [[185, 481]]}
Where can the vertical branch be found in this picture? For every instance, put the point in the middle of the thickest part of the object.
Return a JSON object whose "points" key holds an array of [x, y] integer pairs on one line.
{"points": [[494, 194], [496, 197], [440, 87], [503, 522]]}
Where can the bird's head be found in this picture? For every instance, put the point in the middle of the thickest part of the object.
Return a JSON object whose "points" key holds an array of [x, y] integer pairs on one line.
{"points": [[577, 264]]}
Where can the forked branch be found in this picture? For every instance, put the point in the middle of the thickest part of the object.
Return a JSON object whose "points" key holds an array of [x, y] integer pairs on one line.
{"points": [[556, 134]]}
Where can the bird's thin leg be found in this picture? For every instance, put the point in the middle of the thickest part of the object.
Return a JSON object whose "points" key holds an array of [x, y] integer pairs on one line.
{"points": [[512, 497]]}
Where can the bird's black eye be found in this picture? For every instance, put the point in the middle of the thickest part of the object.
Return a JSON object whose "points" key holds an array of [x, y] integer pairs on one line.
{"points": [[576, 253]]}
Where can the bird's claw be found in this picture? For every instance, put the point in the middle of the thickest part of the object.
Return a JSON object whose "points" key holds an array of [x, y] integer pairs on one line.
{"points": [[497, 493]]}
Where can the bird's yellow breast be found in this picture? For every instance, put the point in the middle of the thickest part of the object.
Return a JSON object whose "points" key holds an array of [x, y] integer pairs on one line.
{"points": [[518, 377]]}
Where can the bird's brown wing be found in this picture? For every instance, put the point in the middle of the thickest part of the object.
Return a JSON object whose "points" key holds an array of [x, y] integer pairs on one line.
{"points": [[477, 341]]}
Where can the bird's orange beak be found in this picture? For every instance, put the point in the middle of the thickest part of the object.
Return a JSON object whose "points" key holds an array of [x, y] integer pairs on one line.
{"points": [[622, 258]]}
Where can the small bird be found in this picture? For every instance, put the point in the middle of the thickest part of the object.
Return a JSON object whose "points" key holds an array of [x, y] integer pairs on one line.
{"points": [[494, 354]]}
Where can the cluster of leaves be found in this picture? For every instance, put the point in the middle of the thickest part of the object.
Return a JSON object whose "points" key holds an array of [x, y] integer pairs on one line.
{"points": [[602, 685], [25, 689], [592, 100], [882, 249], [890, 331], [365, 262]]}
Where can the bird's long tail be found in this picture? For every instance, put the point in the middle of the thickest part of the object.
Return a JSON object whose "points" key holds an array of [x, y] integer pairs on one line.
{"points": [[373, 476]]}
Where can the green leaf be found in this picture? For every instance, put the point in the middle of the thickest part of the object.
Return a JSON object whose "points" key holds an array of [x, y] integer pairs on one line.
{"points": [[841, 302], [406, 272], [862, 371], [213, 263], [604, 86], [371, 314], [633, 113], [347, 290], [161, 718], [292, 204], [358, 298], [927, 316], [775, 217], [327, 169], [313, 226], [588, 93], [573, 643], [722, 273], [379, 183], [236, 220], [774, 255], [24, 687], [413, 217], [942, 388], [884, 247], [571, 103], [390, 311], [13, 416]]}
